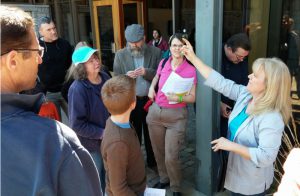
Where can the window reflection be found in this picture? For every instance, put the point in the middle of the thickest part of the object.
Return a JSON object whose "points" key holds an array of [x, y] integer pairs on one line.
{"points": [[289, 50]]}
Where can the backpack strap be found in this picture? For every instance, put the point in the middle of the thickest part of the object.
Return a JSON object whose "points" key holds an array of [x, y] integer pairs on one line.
{"points": [[164, 62], [162, 66]]}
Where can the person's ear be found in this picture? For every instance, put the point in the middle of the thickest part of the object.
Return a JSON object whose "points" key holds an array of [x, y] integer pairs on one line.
{"points": [[12, 60], [133, 105], [41, 32]]}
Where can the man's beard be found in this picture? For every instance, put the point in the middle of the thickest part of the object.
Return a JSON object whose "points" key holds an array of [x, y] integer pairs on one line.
{"points": [[137, 52]]}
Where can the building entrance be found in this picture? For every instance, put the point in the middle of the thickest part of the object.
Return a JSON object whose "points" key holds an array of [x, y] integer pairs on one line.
{"points": [[110, 18]]}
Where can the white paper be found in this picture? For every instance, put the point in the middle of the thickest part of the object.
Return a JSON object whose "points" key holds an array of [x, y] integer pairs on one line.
{"points": [[177, 84], [154, 192]]}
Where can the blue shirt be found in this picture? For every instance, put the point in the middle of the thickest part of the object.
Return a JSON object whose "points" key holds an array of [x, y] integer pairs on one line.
{"points": [[123, 125], [236, 123], [142, 85]]}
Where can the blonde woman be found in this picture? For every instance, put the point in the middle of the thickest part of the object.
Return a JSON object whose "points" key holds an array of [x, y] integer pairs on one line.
{"points": [[256, 123]]}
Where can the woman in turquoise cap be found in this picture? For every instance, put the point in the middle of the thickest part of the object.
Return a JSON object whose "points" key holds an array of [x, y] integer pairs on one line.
{"points": [[87, 114]]}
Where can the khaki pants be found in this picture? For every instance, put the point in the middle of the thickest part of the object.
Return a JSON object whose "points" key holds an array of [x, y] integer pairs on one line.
{"points": [[167, 128]]}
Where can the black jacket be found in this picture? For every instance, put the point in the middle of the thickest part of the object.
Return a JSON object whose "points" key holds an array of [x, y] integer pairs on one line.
{"points": [[56, 62], [235, 72], [40, 156]]}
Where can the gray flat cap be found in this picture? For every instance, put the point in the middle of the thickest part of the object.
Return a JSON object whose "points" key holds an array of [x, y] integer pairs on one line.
{"points": [[134, 33]]}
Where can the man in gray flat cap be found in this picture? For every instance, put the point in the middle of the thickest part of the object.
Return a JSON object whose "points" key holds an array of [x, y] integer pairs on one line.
{"points": [[139, 61]]}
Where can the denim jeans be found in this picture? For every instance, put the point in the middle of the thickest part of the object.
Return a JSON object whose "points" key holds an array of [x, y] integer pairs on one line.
{"points": [[97, 157]]}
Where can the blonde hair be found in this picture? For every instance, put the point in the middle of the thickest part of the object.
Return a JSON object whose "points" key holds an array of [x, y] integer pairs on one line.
{"points": [[278, 86]]}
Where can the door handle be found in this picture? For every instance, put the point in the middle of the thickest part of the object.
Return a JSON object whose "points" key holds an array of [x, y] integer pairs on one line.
{"points": [[113, 47]]}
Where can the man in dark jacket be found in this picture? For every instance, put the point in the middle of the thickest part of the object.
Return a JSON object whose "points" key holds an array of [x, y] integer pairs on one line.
{"points": [[39, 156], [234, 67], [56, 62]]}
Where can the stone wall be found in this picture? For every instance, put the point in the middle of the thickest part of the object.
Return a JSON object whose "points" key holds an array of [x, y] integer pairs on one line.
{"points": [[36, 11]]}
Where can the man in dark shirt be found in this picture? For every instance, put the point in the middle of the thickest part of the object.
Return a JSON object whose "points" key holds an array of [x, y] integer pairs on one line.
{"points": [[56, 61], [234, 67], [39, 156]]}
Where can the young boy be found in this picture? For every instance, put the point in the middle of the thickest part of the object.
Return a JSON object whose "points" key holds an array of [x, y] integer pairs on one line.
{"points": [[120, 148]]}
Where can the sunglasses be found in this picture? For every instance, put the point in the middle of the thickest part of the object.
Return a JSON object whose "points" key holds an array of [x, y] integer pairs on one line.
{"points": [[40, 51]]}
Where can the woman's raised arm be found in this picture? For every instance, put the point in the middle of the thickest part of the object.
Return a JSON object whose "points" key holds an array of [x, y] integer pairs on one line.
{"points": [[189, 53]]}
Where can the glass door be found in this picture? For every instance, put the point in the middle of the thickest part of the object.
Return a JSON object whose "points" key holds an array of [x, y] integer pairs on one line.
{"points": [[134, 13], [105, 34], [109, 20], [104, 38]]}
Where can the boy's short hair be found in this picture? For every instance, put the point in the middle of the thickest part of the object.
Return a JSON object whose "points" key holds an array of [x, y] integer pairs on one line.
{"points": [[118, 93]]}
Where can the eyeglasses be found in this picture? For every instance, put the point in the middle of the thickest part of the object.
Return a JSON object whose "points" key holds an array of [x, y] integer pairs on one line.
{"points": [[40, 51], [239, 57], [176, 46]]}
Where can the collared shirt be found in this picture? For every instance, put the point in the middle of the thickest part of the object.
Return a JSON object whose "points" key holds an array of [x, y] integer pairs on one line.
{"points": [[123, 125], [184, 70], [142, 85]]}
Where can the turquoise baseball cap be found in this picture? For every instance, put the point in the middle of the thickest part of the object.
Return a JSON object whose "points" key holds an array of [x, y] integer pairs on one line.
{"points": [[82, 54]]}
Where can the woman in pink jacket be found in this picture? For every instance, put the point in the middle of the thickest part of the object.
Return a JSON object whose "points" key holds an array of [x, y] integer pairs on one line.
{"points": [[158, 41]]}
